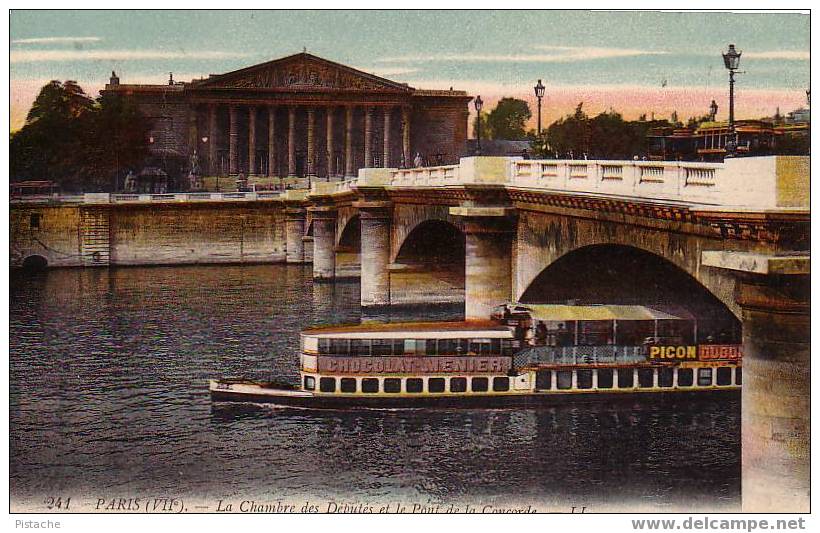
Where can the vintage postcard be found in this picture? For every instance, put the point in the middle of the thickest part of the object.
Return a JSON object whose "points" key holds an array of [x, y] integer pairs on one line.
{"points": [[409, 261]]}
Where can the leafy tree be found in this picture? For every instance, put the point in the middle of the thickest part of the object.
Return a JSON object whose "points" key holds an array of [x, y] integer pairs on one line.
{"points": [[76, 141], [508, 120]]}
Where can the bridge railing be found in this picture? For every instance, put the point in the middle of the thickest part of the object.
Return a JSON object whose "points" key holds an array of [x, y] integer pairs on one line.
{"points": [[440, 176], [658, 180]]}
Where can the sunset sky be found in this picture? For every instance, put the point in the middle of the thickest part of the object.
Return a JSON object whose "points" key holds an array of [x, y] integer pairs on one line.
{"points": [[634, 62]]}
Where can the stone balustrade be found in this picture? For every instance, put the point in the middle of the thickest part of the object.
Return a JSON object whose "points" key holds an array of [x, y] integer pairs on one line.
{"points": [[106, 198]]}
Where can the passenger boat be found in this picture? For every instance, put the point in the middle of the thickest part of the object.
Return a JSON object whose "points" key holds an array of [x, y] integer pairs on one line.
{"points": [[526, 355]]}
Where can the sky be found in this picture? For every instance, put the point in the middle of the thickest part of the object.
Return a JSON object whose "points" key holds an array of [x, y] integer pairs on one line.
{"points": [[634, 62]]}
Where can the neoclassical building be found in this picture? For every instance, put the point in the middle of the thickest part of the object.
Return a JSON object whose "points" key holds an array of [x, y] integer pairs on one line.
{"points": [[298, 116]]}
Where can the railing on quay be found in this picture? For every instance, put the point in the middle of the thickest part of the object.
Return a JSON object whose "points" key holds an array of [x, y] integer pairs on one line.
{"points": [[126, 198]]}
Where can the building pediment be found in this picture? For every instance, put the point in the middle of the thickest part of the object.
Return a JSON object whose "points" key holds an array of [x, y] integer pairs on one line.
{"points": [[301, 72]]}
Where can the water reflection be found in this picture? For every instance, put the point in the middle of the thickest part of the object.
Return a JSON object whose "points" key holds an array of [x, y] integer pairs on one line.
{"points": [[108, 393]]}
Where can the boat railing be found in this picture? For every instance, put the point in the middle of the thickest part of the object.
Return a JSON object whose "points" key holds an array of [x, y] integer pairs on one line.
{"points": [[580, 354]]}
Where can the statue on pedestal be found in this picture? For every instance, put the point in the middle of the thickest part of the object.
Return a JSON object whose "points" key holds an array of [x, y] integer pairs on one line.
{"points": [[195, 175]]}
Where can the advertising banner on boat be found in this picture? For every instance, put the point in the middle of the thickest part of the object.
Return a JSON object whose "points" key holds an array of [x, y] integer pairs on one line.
{"points": [[413, 365], [704, 352]]}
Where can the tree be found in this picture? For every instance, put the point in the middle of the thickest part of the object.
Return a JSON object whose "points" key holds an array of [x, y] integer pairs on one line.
{"points": [[76, 141], [508, 120]]}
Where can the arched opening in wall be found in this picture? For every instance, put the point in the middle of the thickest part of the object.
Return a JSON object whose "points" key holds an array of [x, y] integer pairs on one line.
{"points": [[429, 267], [623, 275], [348, 250], [35, 263]]}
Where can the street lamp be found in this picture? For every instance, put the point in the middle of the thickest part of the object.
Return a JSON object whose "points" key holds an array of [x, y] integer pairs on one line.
{"points": [[731, 60], [539, 93], [713, 109], [478, 105]]}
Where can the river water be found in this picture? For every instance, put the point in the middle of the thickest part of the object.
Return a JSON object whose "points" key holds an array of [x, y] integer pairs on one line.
{"points": [[109, 400]]}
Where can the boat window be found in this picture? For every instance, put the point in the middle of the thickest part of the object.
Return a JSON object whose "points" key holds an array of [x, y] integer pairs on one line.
{"points": [[327, 384], [584, 379], [431, 347], [480, 346], [392, 385], [382, 347], [339, 346], [458, 384], [435, 385], [310, 383], [564, 379], [480, 384], [447, 346], [347, 385], [646, 377], [495, 346], [506, 347], [666, 376], [414, 385], [626, 378], [324, 345], [686, 377], [738, 376], [463, 346], [409, 346], [501, 383], [398, 346], [605, 378], [370, 385], [543, 379], [359, 346], [724, 375], [704, 377]]}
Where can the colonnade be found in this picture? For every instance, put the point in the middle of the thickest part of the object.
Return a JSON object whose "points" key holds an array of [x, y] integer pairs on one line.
{"points": [[376, 151]]}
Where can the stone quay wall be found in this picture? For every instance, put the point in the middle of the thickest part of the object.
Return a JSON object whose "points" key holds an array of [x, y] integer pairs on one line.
{"points": [[140, 234]]}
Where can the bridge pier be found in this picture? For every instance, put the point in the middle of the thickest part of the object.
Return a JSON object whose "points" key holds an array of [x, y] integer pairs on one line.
{"points": [[774, 295], [294, 231], [324, 237], [375, 220], [488, 259]]}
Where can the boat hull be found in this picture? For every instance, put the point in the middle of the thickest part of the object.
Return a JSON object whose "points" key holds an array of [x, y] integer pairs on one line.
{"points": [[534, 399]]}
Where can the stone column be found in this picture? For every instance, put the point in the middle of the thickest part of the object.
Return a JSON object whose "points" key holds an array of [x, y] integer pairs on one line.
{"points": [[291, 141], [193, 133], [311, 152], [294, 231], [386, 158], [233, 140], [324, 241], [375, 220], [251, 140], [329, 142], [368, 137], [774, 296], [488, 230], [349, 142], [212, 140], [271, 140], [405, 136]]}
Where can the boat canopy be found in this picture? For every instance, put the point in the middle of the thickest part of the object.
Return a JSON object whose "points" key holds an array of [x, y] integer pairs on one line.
{"points": [[416, 330], [565, 313]]}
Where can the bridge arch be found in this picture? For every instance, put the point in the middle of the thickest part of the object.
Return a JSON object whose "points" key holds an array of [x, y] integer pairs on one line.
{"points": [[348, 248], [620, 274], [428, 266], [35, 263]]}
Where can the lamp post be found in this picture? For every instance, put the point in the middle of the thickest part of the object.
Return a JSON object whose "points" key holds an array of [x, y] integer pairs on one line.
{"points": [[539, 93], [731, 60], [713, 109], [478, 105]]}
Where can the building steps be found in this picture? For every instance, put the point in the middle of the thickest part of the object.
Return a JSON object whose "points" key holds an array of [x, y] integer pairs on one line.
{"points": [[95, 237]]}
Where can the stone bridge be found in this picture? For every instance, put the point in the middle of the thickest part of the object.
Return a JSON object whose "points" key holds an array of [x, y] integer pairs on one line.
{"points": [[729, 238]]}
